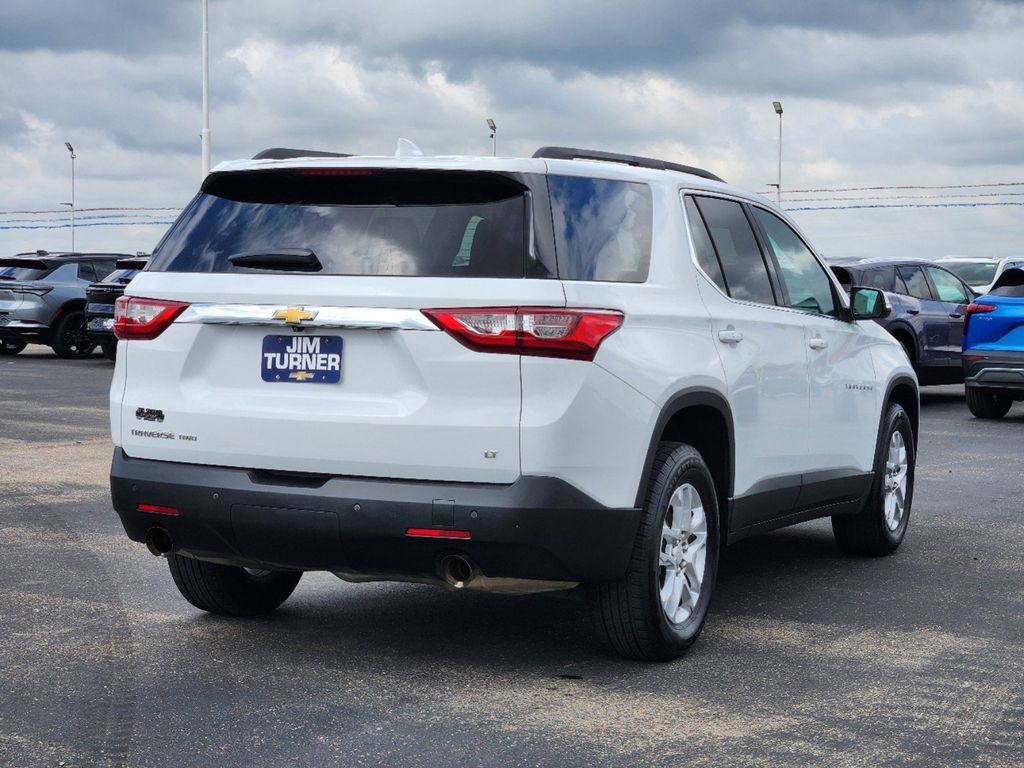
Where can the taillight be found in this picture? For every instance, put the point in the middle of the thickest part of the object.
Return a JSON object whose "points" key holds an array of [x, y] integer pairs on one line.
{"points": [[976, 309], [542, 331], [34, 290], [138, 318]]}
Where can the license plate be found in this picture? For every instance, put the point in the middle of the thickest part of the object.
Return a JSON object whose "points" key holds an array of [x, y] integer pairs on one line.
{"points": [[302, 359], [101, 324]]}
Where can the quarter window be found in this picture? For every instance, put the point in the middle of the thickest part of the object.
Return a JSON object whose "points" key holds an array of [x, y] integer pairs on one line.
{"points": [[86, 271], [947, 286], [743, 266], [807, 283], [603, 228], [879, 278]]}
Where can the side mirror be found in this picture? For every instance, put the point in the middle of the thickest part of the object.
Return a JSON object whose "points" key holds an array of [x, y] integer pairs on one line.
{"points": [[869, 303]]}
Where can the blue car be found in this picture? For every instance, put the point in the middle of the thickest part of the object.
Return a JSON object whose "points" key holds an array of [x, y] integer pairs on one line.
{"points": [[928, 304], [993, 351]]}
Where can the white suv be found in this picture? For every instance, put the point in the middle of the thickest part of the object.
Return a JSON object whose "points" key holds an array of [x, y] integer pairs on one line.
{"points": [[574, 372]]}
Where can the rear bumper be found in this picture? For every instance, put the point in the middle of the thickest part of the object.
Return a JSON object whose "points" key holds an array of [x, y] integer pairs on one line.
{"points": [[100, 327], [18, 330], [994, 370], [535, 528]]}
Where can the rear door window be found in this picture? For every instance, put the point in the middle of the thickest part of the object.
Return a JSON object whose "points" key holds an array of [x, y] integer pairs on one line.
{"points": [[807, 283], [704, 248], [743, 266], [602, 228], [360, 222], [914, 282]]}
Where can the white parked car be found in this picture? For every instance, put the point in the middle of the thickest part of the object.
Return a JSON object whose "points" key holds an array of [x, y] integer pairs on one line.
{"points": [[979, 272], [577, 371]]}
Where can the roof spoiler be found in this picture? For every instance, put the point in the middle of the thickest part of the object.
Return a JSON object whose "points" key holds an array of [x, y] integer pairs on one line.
{"points": [[283, 153], [1013, 275], [572, 153], [24, 263]]}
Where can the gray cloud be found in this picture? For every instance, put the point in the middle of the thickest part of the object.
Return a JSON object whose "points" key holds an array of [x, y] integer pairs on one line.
{"points": [[919, 91]]}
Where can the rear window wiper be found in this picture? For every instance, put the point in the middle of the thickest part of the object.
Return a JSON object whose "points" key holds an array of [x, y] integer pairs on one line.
{"points": [[286, 259]]}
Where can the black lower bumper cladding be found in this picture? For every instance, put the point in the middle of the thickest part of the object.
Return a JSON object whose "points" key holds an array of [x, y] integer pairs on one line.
{"points": [[994, 370], [534, 528]]}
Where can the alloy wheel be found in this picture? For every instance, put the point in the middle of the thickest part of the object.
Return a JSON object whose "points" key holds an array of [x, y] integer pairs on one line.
{"points": [[681, 560]]}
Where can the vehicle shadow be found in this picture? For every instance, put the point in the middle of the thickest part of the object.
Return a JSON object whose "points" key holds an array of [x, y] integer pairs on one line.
{"points": [[797, 575], [942, 395]]}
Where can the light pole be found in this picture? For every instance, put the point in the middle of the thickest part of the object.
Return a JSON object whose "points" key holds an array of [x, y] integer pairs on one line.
{"points": [[494, 134], [72, 203], [778, 185], [205, 135]]}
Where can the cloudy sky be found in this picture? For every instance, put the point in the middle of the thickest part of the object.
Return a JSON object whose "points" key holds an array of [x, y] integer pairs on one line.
{"points": [[876, 94]]}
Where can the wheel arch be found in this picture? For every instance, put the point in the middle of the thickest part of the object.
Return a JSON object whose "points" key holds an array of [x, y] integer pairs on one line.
{"points": [[71, 305], [702, 418], [900, 331], [903, 390]]}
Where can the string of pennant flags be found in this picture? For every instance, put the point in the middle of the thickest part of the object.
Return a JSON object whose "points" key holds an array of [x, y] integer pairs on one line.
{"points": [[108, 216], [912, 196]]}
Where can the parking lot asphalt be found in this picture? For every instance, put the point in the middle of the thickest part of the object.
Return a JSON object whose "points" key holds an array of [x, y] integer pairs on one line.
{"points": [[810, 657]]}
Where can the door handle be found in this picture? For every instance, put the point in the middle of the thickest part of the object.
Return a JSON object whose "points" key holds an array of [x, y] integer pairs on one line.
{"points": [[955, 315], [817, 343], [913, 311], [730, 336]]}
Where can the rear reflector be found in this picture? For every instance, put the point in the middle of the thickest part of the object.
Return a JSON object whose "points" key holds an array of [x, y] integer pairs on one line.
{"points": [[541, 331], [138, 318], [437, 533], [156, 509]]}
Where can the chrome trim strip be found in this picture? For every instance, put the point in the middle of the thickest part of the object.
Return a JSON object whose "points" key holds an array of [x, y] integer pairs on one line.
{"points": [[370, 318]]}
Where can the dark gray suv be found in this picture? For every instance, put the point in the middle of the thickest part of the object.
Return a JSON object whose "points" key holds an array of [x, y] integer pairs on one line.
{"points": [[42, 300], [927, 318]]}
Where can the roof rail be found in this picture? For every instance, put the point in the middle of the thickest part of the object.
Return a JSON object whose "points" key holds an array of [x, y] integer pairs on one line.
{"points": [[282, 153], [571, 153]]}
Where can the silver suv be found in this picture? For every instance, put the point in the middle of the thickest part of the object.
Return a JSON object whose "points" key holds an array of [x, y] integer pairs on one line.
{"points": [[42, 300]]}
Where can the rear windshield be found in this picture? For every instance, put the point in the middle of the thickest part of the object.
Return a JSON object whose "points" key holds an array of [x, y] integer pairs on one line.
{"points": [[972, 272], [13, 272], [602, 228], [121, 276], [358, 222], [1010, 283]]}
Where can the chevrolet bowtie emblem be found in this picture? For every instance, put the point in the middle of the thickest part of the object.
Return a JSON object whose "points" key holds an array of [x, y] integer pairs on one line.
{"points": [[294, 315], [300, 375]]}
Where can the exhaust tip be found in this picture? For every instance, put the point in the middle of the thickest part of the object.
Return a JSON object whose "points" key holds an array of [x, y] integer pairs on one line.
{"points": [[458, 571], [158, 541]]}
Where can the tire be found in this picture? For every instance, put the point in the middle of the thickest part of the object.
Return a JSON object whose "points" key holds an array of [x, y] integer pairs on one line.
{"points": [[628, 614], [986, 404], [879, 528], [109, 349], [229, 590], [70, 340], [10, 348]]}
